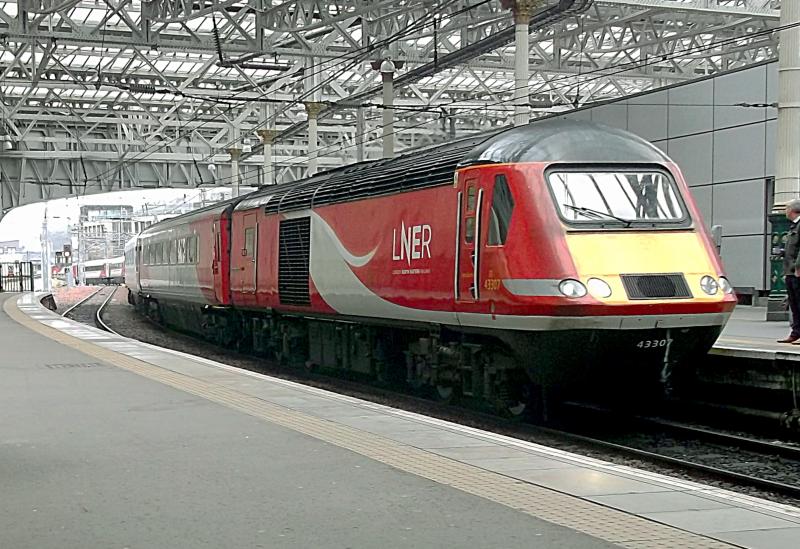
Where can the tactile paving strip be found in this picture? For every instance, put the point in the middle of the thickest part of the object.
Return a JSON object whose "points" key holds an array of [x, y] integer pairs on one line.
{"points": [[580, 515]]}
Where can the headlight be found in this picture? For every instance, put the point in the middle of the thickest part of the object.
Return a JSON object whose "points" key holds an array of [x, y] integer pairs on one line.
{"points": [[572, 288], [725, 285], [709, 285], [598, 288]]}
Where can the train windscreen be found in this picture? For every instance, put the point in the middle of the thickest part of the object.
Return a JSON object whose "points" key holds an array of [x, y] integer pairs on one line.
{"points": [[617, 197]]}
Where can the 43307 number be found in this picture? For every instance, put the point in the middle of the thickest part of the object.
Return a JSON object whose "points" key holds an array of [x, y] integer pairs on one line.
{"points": [[653, 343]]}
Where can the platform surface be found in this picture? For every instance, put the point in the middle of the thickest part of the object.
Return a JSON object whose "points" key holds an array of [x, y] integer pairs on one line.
{"points": [[748, 334], [109, 442]]}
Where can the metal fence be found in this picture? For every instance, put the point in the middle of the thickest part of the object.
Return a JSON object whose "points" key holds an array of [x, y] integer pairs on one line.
{"points": [[16, 277]]}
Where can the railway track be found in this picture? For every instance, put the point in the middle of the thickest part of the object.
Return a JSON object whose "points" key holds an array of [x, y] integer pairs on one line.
{"points": [[89, 310], [80, 303], [750, 450], [98, 316], [759, 458]]}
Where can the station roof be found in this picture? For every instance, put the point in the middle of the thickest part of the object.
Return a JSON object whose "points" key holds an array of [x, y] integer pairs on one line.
{"points": [[99, 95]]}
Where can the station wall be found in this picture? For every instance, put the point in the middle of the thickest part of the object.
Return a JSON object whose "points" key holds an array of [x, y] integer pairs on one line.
{"points": [[726, 152]]}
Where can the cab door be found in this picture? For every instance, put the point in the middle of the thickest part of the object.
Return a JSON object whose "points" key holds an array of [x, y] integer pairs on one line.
{"points": [[244, 260], [470, 219], [250, 253]]}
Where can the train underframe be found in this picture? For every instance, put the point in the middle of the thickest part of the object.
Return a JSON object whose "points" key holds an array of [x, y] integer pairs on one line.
{"points": [[511, 372]]}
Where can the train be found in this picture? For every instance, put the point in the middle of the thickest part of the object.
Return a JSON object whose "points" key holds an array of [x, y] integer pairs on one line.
{"points": [[487, 268], [102, 271]]}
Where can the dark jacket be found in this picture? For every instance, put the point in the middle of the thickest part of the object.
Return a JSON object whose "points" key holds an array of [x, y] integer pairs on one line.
{"points": [[791, 250]]}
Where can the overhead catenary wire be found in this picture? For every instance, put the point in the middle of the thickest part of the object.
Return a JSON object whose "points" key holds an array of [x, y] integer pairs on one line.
{"points": [[625, 67], [337, 146], [594, 74], [367, 49]]}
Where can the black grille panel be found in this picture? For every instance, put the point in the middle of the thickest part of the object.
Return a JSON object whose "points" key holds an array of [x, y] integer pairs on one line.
{"points": [[293, 255], [417, 170], [656, 286]]}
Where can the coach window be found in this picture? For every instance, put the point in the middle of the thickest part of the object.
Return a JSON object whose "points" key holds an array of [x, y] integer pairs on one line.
{"points": [[164, 259], [500, 215], [191, 250], [249, 241], [181, 251], [173, 252]]}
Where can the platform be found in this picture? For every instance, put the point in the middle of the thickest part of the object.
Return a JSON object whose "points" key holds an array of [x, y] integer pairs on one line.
{"points": [[749, 335], [109, 442]]}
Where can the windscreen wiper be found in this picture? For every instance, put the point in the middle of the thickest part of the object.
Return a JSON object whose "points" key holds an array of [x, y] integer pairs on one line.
{"points": [[598, 213]]}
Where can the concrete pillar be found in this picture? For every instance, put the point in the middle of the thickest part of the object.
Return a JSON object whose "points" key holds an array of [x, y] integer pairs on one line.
{"points": [[522, 9], [313, 109], [235, 152], [787, 158], [387, 77], [267, 137]]}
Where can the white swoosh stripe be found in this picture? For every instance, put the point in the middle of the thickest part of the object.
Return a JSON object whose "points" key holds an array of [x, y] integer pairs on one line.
{"points": [[353, 260]]}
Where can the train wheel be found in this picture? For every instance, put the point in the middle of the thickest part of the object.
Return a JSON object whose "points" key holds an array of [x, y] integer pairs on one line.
{"points": [[521, 400], [445, 392]]}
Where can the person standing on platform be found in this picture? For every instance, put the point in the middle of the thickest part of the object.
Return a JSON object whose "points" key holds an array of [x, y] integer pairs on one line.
{"points": [[791, 270]]}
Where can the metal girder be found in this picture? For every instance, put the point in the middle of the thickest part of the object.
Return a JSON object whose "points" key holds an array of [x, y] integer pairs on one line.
{"points": [[114, 94]]}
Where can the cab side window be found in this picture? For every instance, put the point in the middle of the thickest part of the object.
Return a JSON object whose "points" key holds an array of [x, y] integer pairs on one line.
{"points": [[471, 194], [501, 211], [249, 241], [469, 233]]}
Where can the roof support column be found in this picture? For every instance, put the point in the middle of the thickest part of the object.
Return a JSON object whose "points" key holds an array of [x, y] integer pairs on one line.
{"points": [[46, 269], [235, 177], [361, 129], [235, 150], [267, 137], [522, 9], [787, 156], [2, 189], [787, 159], [313, 110], [387, 77]]}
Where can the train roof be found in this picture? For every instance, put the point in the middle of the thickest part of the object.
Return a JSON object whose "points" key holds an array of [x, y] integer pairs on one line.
{"points": [[567, 141], [182, 219], [555, 140], [552, 141], [103, 262]]}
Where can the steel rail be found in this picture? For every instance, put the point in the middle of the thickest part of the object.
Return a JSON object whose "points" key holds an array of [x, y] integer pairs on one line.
{"points": [[98, 316], [81, 302], [686, 465], [704, 433]]}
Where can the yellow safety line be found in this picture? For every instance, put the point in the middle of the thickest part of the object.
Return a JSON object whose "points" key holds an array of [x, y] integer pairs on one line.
{"points": [[593, 519]]}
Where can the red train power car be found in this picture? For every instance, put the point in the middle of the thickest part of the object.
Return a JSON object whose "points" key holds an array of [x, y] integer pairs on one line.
{"points": [[537, 256]]}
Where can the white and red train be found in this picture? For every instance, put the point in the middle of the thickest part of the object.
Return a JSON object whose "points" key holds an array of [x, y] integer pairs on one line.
{"points": [[536, 256]]}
